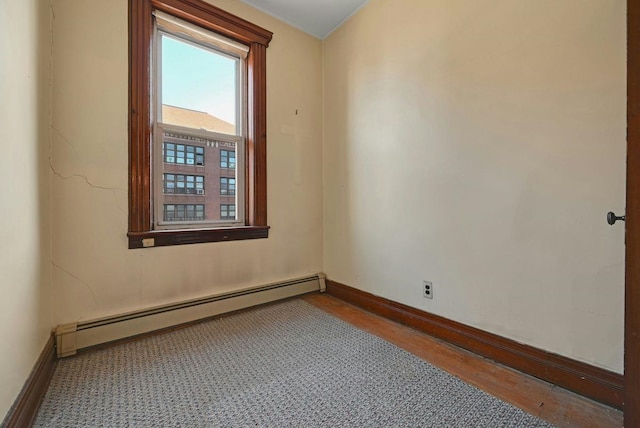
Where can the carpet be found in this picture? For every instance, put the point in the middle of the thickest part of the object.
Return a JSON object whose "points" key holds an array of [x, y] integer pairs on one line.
{"points": [[284, 365]]}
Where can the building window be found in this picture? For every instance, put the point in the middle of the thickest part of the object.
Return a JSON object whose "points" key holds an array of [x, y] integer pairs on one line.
{"points": [[182, 40], [227, 212], [183, 212], [183, 184], [227, 186], [182, 154], [227, 159]]}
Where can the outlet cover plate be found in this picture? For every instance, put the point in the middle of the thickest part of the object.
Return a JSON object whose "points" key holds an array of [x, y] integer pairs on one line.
{"points": [[427, 289]]}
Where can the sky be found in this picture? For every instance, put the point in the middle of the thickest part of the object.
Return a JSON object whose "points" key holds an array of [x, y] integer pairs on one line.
{"points": [[198, 79]]}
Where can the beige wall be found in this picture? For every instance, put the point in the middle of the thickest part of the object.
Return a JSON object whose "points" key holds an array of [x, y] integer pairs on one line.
{"points": [[479, 144], [25, 306], [94, 274], [476, 144]]}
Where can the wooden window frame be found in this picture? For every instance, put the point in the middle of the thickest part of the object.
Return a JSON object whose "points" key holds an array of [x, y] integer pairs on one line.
{"points": [[141, 233]]}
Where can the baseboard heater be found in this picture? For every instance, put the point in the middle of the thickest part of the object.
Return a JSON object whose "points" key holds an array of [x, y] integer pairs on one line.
{"points": [[79, 335]]}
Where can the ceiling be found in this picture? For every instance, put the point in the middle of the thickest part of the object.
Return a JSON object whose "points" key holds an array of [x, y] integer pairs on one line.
{"points": [[318, 18]]}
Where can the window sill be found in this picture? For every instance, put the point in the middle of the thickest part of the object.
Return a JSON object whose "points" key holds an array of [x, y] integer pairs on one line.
{"points": [[162, 238]]}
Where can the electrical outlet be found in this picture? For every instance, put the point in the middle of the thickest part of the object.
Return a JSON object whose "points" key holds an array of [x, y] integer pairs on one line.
{"points": [[427, 289]]}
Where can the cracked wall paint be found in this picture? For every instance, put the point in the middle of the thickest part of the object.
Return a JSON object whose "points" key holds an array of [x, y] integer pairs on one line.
{"points": [[89, 161], [84, 178], [68, 155], [82, 282]]}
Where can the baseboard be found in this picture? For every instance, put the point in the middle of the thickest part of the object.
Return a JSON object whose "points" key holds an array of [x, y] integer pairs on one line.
{"points": [[587, 380], [72, 337], [26, 406]]}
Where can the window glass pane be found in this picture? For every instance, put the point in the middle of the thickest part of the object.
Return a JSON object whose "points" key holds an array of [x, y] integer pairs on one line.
{"points": [[168, 183], [198, 86], [183, 212], [169, 214], [185, 154], [224, 186], [227, 212], [224, 159], [190, 188]]}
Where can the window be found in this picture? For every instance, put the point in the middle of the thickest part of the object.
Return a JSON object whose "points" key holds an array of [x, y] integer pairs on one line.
{"points": [[227, 212], [183, 212], [182, 154], [170, 139], [199, 94], [227, 186], [183, 184], [227, 159]]}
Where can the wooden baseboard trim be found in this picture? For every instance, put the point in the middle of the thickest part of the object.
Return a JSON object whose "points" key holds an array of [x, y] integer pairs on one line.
{"points": [[587, 380], [25, 408]]}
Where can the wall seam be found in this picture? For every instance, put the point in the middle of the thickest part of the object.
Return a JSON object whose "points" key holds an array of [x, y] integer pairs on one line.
{"points": [[52, 17]]}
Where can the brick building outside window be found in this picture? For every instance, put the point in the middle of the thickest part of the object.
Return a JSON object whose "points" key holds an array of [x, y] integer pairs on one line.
{"points": [[199, 176]]}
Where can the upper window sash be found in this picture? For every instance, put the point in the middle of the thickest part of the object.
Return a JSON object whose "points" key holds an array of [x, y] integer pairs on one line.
{"points": [[241, 75]]}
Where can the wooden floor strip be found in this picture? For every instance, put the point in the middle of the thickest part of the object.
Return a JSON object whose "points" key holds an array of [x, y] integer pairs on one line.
{"points": [[547, 401]]}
